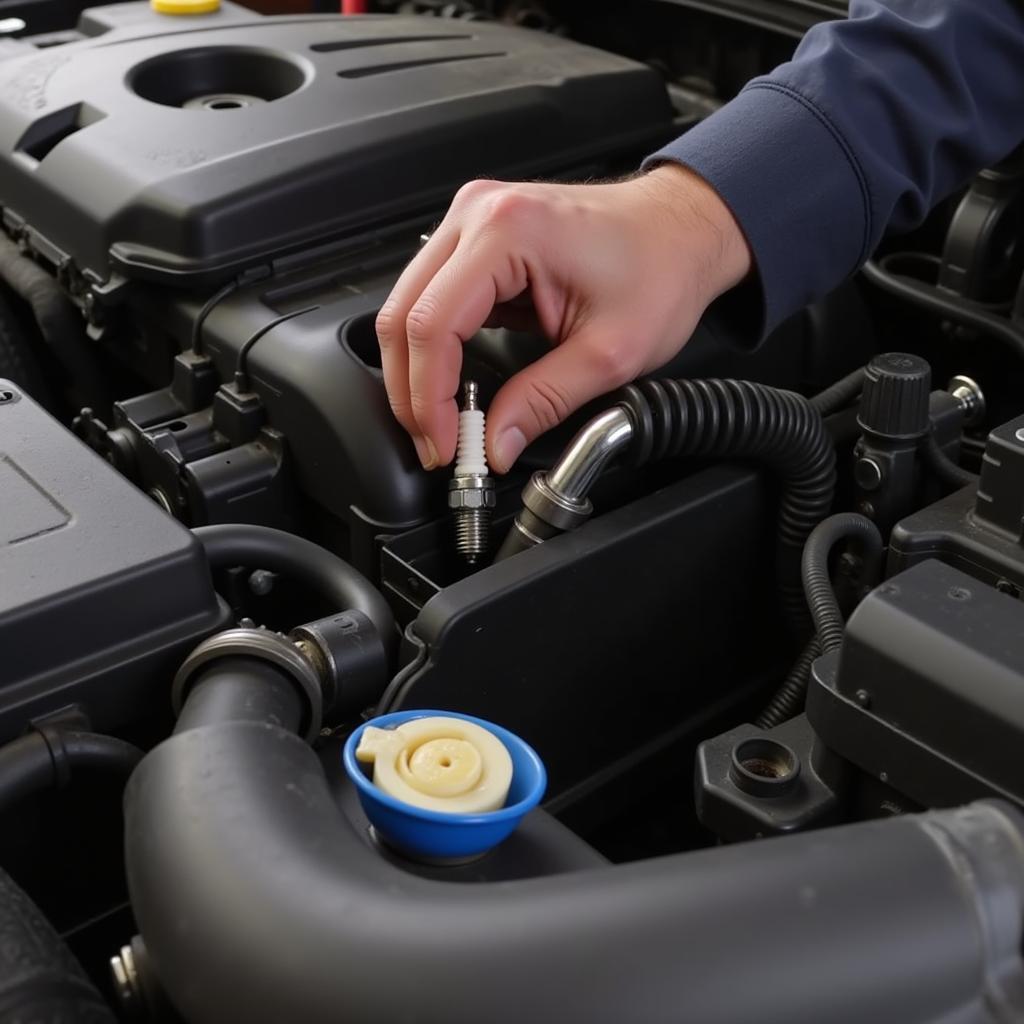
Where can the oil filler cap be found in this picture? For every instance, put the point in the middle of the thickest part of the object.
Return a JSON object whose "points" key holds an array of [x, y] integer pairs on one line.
{"points": [[179, 7]]}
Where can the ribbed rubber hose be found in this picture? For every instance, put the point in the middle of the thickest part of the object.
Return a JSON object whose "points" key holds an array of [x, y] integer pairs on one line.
{"points": [[48, 758], [821, 598], [260, 547], [744, 420], [790, 697], [40, 981]]}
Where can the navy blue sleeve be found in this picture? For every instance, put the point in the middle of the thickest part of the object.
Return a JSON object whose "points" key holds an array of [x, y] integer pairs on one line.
{"points": [[874, 121]]}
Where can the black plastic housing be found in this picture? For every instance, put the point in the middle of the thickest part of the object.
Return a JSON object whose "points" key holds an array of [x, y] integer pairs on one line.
{"points": [[603, 646], [182, 150], [928, 692], [102, 594], [979, 530]]}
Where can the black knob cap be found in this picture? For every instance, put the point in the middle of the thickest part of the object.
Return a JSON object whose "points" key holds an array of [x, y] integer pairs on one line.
{"points": [[894, 402]]}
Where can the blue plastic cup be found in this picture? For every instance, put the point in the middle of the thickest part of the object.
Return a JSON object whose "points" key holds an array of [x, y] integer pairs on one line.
{"points": [[435, 834]]}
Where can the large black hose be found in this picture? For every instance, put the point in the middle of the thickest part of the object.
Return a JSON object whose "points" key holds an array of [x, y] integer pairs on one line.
{"points": [[59, 322], [48, 758], [743, 420], [258, 901], [821, 598], [40, 981], [259, 547]]}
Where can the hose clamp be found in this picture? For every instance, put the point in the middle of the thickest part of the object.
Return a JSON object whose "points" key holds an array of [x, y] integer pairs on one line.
{"points": [[256, 643], [553, 508]]}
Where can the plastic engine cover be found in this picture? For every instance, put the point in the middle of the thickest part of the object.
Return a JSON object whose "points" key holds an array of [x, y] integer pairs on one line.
{"points": [[181, 148]]}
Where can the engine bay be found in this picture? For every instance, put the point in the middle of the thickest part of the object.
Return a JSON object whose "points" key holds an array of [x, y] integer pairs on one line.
{"points": [[759, 614]]}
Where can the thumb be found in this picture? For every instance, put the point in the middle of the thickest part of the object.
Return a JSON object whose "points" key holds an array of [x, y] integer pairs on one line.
{"points": [[555, 386]]}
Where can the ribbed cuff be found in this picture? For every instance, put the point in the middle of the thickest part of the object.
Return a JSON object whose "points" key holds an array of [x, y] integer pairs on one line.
{"points": [[797, 191]]}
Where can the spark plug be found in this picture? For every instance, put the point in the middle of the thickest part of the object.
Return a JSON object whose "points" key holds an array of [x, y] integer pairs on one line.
{"points": [[471, 492]]}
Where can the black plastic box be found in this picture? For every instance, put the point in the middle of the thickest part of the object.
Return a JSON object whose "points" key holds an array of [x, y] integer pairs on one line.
{"points": [[102, 594]]}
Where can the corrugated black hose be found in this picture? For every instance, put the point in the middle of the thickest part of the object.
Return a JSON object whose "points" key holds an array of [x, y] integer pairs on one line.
{"points": [[745, 420], [821, 599]]}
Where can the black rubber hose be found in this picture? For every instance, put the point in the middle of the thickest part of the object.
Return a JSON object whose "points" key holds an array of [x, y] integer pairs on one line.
{"points": [[744, 420], [40, 981], [232, 827], [840, 394], [945, 469], [952, 307], [259, 547], [48, 757], [59, 322], [821, 598], [790, 697]]}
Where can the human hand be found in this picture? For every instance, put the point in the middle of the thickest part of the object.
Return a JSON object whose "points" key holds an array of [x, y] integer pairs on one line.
{"points": [[616, 275]]}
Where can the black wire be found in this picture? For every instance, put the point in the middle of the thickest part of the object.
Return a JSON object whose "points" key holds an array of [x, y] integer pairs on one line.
{"points": [[208, 307], [947, 305], [241, 378]]}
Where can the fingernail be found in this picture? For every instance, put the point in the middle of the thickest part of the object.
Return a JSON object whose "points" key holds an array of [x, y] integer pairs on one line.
{"points": [[426, 451], [508, 447]]}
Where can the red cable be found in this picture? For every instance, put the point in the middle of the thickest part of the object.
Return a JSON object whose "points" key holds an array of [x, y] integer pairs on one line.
{"points": [[354, 6]]}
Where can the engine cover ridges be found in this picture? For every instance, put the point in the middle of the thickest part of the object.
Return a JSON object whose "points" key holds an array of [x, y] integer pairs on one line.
{"points": [[179, 149]]}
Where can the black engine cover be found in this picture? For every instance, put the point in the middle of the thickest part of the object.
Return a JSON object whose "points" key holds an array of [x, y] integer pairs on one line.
{"points": [[180, 148]]}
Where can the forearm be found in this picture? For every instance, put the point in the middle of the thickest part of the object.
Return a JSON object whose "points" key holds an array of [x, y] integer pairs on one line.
{"points": [[873, 122]]}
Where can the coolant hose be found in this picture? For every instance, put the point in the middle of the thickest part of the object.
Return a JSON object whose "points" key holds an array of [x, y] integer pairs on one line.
{"points": [[821, 598], [40, 981], [47, 758], [744, 420], [258, 901], [332, 578]]}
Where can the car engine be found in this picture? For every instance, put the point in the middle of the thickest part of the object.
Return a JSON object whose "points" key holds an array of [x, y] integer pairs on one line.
{"points": [[758, 615]]}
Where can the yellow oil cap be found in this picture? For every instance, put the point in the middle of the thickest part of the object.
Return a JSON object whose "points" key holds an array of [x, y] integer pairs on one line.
{"points": [[185, 6]]}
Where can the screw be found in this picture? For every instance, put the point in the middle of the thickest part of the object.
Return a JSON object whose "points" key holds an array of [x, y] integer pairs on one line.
{"points": [[471, 492], [863, 698]]}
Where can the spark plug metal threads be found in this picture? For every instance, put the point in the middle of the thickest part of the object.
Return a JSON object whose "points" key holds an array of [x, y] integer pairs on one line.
{"points": [[471, 494]]}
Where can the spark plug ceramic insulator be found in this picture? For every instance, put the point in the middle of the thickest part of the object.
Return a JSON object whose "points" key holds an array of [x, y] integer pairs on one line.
{"points": [[439, 764], [471, 494]]}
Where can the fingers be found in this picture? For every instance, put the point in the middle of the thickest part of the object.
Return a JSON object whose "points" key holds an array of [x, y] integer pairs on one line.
{"points": [[391, 332], [541, 396], [452, 308]]}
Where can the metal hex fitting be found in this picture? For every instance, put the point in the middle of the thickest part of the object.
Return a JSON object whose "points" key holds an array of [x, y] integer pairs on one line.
{"points": [[472, 492]]}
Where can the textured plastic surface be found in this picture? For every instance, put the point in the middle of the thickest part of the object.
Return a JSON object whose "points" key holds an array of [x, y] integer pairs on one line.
{"points": [[171, 150], [894, 401], [929, 690], [101, 593], [433, 833]]}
